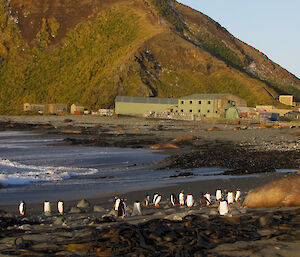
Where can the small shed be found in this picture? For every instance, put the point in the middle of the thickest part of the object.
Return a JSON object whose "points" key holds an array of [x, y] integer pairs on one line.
{"points": [[241, 112], [77, 109]]}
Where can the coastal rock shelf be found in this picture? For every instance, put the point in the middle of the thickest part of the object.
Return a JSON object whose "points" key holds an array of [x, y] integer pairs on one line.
{"points": [[195, 235]]}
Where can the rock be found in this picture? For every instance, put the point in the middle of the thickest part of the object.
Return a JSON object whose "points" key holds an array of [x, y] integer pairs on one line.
{"points": [[265, 127], [159, 213], [175, 216], [214, 129], [184, 138], [25, 227], [279, 193], [213, 212], [265, 221], [75, 210], [164, 146], [59, 221], [98, 208], [111, 213], [85, 204], [70, 131], [296, 133]]}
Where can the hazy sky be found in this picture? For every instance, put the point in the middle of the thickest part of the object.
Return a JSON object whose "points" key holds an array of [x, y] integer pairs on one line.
{"points": [[271, 26]]}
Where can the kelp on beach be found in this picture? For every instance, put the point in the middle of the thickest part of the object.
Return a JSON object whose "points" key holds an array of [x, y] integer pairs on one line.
{"points": [[195, 235]]}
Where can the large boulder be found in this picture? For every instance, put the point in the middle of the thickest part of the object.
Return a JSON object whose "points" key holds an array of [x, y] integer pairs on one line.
{"points": [[284, 192]]}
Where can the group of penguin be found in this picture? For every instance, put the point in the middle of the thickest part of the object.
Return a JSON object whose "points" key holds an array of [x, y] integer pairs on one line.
{"points": [[188, 200], [47, 208], [120, 205]]}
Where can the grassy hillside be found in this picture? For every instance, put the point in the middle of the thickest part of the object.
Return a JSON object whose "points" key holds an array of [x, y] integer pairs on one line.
{"points": [[122, 47]]}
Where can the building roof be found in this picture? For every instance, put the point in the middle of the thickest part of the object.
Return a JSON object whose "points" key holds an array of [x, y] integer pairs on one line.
{"points": [[204, 96], [150, 100]]}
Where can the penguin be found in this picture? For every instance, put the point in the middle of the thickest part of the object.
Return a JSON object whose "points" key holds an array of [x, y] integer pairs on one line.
{"points": [[173, 199], [181, 198], [60, 207], [237, 195], [122, 209], [230, 197], [207, 196], [22, 208], [154, 198], [147, 200], [204, 201], [189, 200], [218, 195], [157, 200], [136, 209], [117, 203], [223, 207], [47, 208]]}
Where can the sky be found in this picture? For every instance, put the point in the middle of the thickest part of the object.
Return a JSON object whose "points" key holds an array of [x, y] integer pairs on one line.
{"points": [[271, 26]]}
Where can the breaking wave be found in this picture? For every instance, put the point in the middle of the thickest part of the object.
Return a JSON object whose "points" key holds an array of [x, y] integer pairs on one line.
{"points": [[15, 173]]}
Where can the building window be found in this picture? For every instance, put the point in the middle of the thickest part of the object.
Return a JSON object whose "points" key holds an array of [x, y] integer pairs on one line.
{"points": [[191, 110], [199, 110], [199, 102], [191, 102], [181, 110], [208, 111], [182, 102], [208, 102]]}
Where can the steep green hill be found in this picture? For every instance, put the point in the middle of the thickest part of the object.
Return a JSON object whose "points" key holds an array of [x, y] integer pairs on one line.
{"points": [[90, 51]]}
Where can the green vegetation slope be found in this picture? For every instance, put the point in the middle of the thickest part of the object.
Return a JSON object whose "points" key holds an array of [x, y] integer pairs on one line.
{"points": [[90, 51]]}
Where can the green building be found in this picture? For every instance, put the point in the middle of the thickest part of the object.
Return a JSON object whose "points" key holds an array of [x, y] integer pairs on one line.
{"points": [[127, 105], [208, 105]]}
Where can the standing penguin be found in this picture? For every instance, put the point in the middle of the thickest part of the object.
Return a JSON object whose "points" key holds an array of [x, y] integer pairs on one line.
{"points": [[117, 203], [173, 199], [230, 197], [204, 201], [207, 196], [122, 209], [181, 197], [136, 209], [47, 208], [189, 200], [237, 195], [154, 197], [223, 207], [157, 200], [22, 208], [147, 200], [60, 207], [218, 195]]}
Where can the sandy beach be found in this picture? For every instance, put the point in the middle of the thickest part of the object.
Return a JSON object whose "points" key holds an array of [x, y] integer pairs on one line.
{"points": [[266, 239]]}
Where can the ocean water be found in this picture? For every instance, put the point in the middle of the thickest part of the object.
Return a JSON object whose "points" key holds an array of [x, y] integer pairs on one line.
{"points": [[35, 168]]}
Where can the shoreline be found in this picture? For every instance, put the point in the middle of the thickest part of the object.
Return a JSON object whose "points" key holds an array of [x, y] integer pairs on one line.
{"points": [[91, 228]]}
